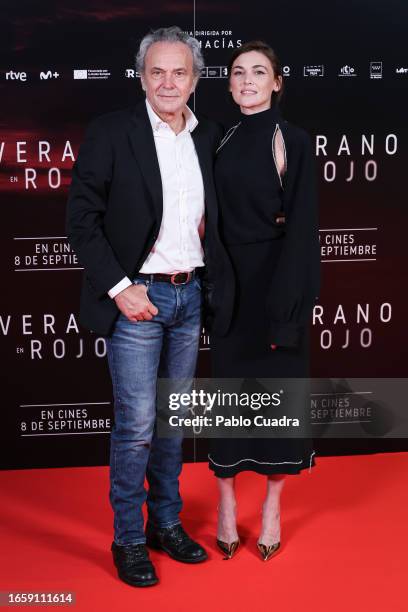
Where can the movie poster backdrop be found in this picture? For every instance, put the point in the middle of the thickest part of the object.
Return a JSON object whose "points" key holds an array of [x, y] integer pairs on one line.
{"points": [[62, 64]]}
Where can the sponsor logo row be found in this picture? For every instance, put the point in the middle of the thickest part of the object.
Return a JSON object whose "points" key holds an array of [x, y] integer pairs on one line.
{"points": [[210, 72]]}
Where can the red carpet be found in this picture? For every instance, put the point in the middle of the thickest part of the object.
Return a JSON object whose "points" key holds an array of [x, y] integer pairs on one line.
{"points": [[344, 535]]}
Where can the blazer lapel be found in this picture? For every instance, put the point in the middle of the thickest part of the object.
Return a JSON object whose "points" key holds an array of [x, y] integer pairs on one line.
{"points": [[142, 143]]}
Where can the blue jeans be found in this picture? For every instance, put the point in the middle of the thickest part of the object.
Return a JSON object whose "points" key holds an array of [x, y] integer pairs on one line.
{"points": [[139, 353]]}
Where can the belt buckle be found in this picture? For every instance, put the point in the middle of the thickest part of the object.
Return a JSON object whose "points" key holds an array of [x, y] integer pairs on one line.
{"points": [[173, 276]]}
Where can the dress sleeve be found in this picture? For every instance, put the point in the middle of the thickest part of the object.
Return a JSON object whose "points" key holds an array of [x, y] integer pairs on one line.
{"points": [[295, 282]]}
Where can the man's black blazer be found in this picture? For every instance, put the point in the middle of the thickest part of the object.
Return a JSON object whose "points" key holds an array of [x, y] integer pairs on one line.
{"points": [[115, 209]]}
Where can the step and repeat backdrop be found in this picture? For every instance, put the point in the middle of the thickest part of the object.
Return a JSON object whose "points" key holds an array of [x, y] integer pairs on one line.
{"points": [[63, 63]]}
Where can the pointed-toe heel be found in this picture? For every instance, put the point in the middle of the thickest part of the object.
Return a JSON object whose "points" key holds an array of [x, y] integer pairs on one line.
{"points": [[267, 552], [228, 550]]}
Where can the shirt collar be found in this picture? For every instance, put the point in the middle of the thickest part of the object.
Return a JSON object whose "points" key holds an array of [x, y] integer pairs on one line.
{"points": [[157, 123]]}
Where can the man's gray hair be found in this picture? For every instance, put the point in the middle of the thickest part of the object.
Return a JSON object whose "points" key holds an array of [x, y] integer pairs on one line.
{"points": [[173, 34]]}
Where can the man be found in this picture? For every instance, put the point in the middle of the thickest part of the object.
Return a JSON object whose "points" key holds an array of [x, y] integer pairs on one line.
{"points": [[135, 219]]}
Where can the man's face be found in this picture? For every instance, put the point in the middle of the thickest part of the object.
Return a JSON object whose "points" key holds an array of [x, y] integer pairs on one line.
{"points": [[168, 78]]}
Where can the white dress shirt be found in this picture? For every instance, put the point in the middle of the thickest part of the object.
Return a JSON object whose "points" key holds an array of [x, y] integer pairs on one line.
{"points": [[178, 246]]}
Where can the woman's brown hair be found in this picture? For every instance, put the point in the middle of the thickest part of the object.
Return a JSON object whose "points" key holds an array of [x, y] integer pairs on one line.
{"points": [[261, 47]]}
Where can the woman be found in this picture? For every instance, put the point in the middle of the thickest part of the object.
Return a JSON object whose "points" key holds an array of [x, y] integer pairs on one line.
{"points": [[265, 182]]}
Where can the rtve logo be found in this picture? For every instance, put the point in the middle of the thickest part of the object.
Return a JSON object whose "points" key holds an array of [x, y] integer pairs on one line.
{"points": [[16, 76]]}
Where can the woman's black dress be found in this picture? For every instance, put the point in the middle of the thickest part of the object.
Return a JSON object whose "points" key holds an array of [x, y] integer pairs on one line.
{"points": [[276, 272]]}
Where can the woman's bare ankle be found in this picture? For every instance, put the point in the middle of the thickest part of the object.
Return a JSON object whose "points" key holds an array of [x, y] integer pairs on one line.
{"points": [[227, 526]]}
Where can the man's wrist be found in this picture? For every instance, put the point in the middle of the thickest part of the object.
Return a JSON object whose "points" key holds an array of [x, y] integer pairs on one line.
{"points": [[120, 286]]}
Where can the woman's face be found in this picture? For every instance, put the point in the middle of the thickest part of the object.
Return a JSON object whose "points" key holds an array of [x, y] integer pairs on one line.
{"points": [[252, 82]]}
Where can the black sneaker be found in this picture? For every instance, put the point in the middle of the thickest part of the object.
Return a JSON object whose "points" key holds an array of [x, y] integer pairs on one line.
{"points": [[133, 565]]}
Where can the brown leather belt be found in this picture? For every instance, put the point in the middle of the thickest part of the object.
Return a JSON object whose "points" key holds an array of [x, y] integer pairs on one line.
{"points": [[180, 278]]}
